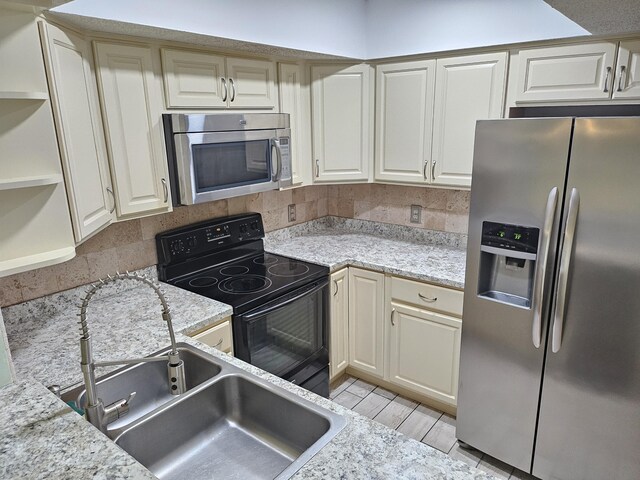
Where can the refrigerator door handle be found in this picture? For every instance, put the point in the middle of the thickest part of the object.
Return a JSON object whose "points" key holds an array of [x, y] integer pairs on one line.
{"points": [[563, 274], [538, 287]]}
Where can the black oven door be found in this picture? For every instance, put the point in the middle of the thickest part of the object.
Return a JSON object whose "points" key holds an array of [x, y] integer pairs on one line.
{"points": [[288, 336]]}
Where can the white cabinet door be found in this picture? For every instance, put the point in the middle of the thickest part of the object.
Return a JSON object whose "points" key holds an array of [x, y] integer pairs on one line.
{"points": [[404, 120], [74, 95], [294, 98], [251, 83], [219, 336], [573, 72], [339, 324], [132, 105], [424, 352], [468, 89], [341, 99], [366, 321], [627, 83], [194, 79]]}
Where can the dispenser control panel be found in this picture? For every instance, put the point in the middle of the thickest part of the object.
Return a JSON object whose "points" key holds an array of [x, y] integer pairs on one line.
{"points": [[510, 237]]}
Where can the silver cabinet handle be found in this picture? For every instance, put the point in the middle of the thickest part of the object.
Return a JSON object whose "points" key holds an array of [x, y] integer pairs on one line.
{"points": [[563, 275], [317, 167], [541, 266], [606, 80], [428, 299], [113, 197], [623, 71], [166, 190], [336, 284], [433, 171], [424, 169], [224, 94], [218, 344], [233, 89], [393, 312]]}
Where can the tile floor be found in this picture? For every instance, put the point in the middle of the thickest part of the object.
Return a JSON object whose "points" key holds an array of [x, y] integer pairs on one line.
{"points": [[416, 420]]}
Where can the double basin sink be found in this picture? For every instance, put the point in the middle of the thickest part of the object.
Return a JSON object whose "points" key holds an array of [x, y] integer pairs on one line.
{"points": [[228, 424]]}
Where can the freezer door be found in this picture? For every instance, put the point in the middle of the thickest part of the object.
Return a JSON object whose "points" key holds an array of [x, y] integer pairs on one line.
{"points": [[517, 164], [589, 425]]}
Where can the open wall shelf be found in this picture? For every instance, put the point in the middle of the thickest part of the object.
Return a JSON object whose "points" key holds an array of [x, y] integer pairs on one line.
{"points": [[32, 181], [24, 95]]}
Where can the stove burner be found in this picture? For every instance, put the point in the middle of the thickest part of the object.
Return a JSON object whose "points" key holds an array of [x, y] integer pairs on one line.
{"points": [[289, 269], [233, 270], [244, 284], [266, 260], [203, 281]]}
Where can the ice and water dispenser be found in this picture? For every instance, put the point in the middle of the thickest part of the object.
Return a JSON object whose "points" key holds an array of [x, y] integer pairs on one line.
{"points": [[508, 263]]}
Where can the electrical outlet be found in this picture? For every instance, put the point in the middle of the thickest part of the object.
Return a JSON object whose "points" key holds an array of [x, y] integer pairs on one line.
{"points": [[416, 214], [292, 213]]}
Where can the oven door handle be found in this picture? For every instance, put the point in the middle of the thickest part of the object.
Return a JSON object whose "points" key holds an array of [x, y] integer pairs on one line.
{"points": [[315, 287]]}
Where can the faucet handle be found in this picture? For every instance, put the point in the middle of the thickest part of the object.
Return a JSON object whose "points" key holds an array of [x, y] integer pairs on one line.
{"points": [[128, 400], [117, 409]]}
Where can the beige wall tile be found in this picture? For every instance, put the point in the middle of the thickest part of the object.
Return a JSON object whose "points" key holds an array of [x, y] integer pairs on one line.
{"points": [[10, 292], [137, 255], [254, 202], [150, 226], [299, 195], [362, 209], [332, 206], [434, 219], [456, 222], [73, 273], [458, 201], [323, 209], [345, 207], [435, 198], [199, 213], [102, 263], [274, 219], [37, 283], [236, 205]]}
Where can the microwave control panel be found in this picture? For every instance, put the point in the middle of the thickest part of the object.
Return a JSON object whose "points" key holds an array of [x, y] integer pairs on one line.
{"points": [[208, 237]]}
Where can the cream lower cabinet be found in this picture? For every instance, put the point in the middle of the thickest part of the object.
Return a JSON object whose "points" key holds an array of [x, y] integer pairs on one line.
{"points": [[74, 96], [339, 324], [219, 336], [131, 96], [366, 321], [342, 125]]}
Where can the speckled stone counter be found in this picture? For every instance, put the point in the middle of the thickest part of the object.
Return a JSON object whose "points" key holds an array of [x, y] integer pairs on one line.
{"points": [[40, 437], [427, 255]]}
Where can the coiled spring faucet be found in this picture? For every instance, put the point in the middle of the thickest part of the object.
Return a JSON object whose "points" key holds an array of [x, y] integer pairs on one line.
{"points": [[95, 411]]}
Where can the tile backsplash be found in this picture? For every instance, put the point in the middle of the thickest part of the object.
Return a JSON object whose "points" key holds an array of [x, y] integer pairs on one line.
{"points": [[130, 245]]}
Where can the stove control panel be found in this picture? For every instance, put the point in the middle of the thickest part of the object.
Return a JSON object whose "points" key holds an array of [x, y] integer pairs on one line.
{"points": [[207, 237]]}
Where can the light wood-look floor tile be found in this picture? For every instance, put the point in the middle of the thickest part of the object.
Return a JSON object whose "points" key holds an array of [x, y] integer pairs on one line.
{"points": [[495, 467], [443, 434], [419, 422], [470, 456], [340, 385], [361, 388], [371, 405], [396, 412], [347, 399], [385, 393]]}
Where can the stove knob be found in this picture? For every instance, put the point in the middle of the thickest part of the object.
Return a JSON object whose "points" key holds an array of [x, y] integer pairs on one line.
{"points": [[191, 242], [254, 225], [243, 228]]}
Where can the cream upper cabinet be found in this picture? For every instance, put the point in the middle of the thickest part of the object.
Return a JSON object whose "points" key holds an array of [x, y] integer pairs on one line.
{"points": [[404, 120], [468, 89], [205, 80], [341, 122], [627, 83], [571, 72], [131, 97], [74, 94], [366, 321], [294, 100], [339, 323]]}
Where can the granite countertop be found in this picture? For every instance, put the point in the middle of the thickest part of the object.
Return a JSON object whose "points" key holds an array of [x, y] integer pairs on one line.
{"points": [[41, 437], [425, 255]]}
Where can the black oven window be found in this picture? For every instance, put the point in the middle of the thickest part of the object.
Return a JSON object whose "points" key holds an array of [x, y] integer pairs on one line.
{"points": [[283, 338], [224, 165]]}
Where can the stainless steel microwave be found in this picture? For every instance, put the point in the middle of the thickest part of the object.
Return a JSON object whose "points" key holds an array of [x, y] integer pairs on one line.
{"points": [[222, 155]]}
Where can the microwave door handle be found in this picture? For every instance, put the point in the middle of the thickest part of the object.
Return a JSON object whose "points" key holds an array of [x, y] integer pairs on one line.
{"points": [[275, 144], [270, 308]]}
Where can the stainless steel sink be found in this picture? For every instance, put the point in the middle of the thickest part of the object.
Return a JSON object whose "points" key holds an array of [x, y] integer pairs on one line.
{"points": [[149, 381], [238, 427]]}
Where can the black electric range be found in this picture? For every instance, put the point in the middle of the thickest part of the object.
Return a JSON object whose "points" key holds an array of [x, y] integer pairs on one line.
{"points": [[280, 304]]}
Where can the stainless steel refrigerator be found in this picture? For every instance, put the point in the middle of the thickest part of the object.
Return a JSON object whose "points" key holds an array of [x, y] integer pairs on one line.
{"points": [[550, 356]]}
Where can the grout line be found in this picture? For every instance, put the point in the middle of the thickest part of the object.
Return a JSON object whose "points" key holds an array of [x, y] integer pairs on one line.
{"points": [[434, 424], [402, 422]]}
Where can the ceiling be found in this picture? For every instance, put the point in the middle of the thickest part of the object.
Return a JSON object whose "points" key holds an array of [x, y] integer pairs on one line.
{"points": [[362, 29]]}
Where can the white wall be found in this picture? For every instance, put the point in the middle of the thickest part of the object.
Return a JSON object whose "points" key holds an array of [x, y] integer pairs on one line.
{"points": [[403, 27], [326, 26]]}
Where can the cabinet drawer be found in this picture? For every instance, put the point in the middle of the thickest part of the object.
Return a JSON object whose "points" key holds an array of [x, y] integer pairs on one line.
{"points": [[428, 296], [219, 337]]}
